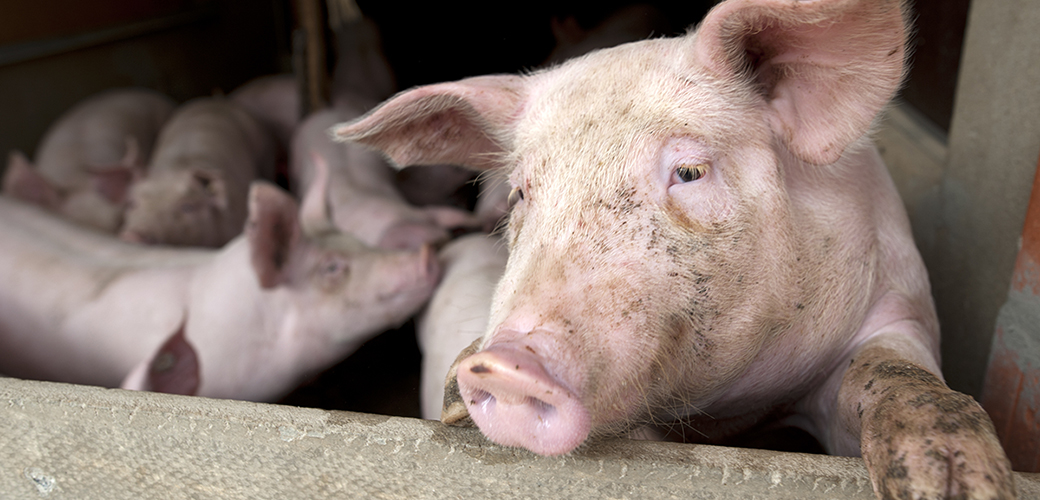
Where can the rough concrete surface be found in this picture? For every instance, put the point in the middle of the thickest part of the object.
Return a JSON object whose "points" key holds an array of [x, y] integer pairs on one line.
{"points": [[64, 441]]}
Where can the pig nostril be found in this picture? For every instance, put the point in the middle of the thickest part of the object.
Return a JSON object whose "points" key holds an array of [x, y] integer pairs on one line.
{"points": [[542, 408], [483, 398]]}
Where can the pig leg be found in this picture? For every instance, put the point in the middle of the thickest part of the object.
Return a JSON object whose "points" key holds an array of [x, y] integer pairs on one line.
{"points": [[920, 439], [453, 409], [174, 369]]}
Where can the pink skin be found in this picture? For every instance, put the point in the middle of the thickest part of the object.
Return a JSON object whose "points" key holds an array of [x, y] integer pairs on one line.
{"points": [[248, 321], [702, 230], [362, 197], [199, 178], [89, 157]]}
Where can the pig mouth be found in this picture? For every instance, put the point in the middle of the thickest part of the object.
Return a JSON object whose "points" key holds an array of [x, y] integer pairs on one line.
{"points": [[515, 401]]}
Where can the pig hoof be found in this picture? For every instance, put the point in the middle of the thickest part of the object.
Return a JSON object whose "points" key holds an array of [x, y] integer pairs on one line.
{"points": [[935, 444]]}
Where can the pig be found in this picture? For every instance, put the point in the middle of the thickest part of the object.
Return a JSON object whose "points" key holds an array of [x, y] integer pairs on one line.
{"points": [[274, 100], [457, 313], [199, 178], [628, 24], [361, 69], [248, 321], [703, 230], [362, 195], [88, 158]]}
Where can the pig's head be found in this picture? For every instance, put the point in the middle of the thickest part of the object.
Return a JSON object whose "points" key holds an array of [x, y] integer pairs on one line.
{"points": [[98, 203], [187, 207], [650, 239]]}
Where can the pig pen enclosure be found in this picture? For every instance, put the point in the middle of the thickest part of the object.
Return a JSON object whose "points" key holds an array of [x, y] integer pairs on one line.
{"points": [[962, 147]]}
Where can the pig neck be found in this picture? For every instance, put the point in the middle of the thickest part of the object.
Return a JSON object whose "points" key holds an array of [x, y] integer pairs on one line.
{"points": [[870, 237], [105, 304], [363, 197]]}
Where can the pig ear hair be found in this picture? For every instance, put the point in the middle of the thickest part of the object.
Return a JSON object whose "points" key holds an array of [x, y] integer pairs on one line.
{"points": [[23, 182], [825, 68], [465, 123], [173, 369], [272, 231]]}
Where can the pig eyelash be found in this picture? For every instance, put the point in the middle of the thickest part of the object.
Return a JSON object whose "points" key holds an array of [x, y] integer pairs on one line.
{"points": [[515, 195], [689, 173]]}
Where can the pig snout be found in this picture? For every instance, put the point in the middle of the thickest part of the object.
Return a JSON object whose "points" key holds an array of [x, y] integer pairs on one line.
{"points": [[516, 401]]}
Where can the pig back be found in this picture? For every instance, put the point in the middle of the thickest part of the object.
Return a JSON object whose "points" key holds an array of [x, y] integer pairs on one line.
{"points": [[94, 133], [67, 304], [215, 133]]}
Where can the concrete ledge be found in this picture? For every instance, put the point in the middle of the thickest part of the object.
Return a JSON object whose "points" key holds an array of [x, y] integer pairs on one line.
{"points": [[76, 442]]}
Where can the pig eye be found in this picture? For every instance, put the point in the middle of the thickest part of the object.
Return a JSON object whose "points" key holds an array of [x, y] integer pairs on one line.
{"points": [[690, 173], [515, 195], [334, 267]]}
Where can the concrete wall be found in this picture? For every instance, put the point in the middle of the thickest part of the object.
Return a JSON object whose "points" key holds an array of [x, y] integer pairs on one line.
{"points": [[60, 441]]}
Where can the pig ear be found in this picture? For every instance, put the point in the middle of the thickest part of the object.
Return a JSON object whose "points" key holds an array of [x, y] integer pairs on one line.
{"points": [[132, 155], [314, 209], [23, 182], [272, 231], [113, 182], [825, 68], [466, 123], [173, 369]]}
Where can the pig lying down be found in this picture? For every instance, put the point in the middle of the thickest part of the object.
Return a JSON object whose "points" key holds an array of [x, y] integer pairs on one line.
{"points": [[703, 230], [249, 321], [89, 157], [195, 192]]}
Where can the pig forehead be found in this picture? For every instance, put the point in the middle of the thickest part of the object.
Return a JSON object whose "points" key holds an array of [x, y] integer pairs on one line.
{"points": [[601, 113]]}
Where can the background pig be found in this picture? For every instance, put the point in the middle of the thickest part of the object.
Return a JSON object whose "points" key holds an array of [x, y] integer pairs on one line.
{"points": [[427, 184], [628, 24], [199, 178], [90, 155], [248, 321], [361, 67], [703, 231], [362, 196], [457, 314], [274, 100]]}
